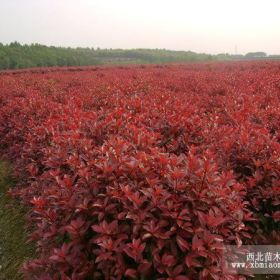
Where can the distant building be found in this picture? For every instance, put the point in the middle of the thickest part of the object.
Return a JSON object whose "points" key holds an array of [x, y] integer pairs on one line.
{"points": [[255, 55]]}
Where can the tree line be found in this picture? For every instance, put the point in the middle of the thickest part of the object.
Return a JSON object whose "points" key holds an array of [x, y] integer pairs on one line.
{"points": [[16, 55]]}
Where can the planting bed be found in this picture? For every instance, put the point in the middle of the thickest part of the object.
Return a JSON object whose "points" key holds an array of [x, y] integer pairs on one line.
{"points": [[144, 172]]}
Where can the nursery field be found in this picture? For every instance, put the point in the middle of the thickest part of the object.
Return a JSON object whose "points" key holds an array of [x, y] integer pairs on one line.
{"points": [[143, 172]]}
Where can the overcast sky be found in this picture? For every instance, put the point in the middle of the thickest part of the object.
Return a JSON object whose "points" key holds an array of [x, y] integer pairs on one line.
{"points": [[210, 26]]}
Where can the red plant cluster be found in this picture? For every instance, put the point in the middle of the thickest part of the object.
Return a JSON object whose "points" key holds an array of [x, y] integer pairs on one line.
{"points": [[144, 172]]}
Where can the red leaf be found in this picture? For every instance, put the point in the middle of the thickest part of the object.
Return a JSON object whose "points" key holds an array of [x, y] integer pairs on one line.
{"points": [[183, 244], [132, 273]]}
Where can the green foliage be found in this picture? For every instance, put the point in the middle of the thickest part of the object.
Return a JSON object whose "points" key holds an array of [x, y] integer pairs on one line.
{"points": [[15, 55]]}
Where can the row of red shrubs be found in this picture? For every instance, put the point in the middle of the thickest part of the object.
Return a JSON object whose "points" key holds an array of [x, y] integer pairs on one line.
{"points": [[144, 172]]}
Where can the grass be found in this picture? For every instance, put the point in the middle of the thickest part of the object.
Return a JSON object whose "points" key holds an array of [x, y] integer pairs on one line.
{"points": [[14, 250]]}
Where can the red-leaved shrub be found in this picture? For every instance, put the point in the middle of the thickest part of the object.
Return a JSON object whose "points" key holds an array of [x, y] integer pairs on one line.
{"points": [[144, 172]]}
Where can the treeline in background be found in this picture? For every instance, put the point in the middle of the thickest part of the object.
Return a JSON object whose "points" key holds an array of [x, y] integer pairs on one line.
{"points": [[16, 55]]}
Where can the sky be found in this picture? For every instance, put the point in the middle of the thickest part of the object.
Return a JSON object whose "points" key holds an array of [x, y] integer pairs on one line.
{"points": [[213, 26]]}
